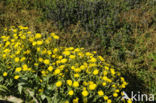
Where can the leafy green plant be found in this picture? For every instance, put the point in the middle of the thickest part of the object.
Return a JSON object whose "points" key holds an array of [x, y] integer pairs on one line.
{"points": [[34, 67]]}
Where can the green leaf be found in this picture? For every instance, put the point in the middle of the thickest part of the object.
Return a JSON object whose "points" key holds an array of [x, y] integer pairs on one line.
{"points": [[51, 87], [1, 79], [48, 99], [3, 88], [20, 87], [55, 99], [43, 96]]}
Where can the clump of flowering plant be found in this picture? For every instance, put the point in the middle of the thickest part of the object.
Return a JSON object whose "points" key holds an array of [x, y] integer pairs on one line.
{"points": [[34, 66]]}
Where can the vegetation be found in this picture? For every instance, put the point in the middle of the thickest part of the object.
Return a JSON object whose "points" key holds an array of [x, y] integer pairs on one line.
{"points": [[122, 31], [33, 65]]}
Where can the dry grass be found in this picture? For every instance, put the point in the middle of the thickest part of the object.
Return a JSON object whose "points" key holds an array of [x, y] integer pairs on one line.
{"points": [[142, 16]]}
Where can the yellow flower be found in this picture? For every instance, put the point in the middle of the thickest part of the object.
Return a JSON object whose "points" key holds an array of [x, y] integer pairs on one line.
{"points": [[115, 94], [16, 76], [41, 80], [40, 90], [76, 84], [53, 56], [17, 59], [92, 60], [72, 67], [109, 101], [5, 74], [43, 72], [76, 75], [71, 92], [25, 67], [29, 32], [129, 101], [76, 100], [55, 50], [85, 83], [40, 42], [77, 70], [50, 68], [100, 93], [92, 65], [52, 34], [66, 53], [38, 35], [72, 56], [38, 49], [105, 73], [91, 82], [125, 83], [123, 86], [18, 69], [57, 71], [7, 50], [69, 82], [61, 67], [17, 52], [104, 83], [31, 39], [4, 55], [34, 43], [85, 93], [81, 54], [70, 48], [36, 64], [109, 80], [60, 57], [7, 43], [92, 86], [88, 54], [112, 71], [117, 90], [66, 101], [58, 62], [63, 60], [94, 52], [114, 86], [107, 68], [105, 97], [101, 58], [56, 37], [122, 93], [22, 59], [46, 61], [82, 67], [40, 59], [28, 52], [95, 72], [59, 84], [49, 52], [105, 78]]}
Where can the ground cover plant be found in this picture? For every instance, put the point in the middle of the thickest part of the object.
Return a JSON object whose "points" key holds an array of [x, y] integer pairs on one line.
{"points": [[34, 66]]}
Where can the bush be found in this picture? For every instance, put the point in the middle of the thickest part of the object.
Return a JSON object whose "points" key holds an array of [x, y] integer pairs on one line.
{"points": [[33, 66]]}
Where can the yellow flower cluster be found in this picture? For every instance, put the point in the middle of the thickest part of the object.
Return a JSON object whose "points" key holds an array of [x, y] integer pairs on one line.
{"points": [[72, 73]]}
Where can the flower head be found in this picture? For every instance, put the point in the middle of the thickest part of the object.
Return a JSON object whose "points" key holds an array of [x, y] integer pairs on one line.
{"points": [[59, 84], [85, 93], [16, 76], [71, 92], [76, 84], [5, 74]]}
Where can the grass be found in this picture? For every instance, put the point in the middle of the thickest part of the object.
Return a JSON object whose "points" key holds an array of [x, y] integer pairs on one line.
{"points": [[127, 40]]}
